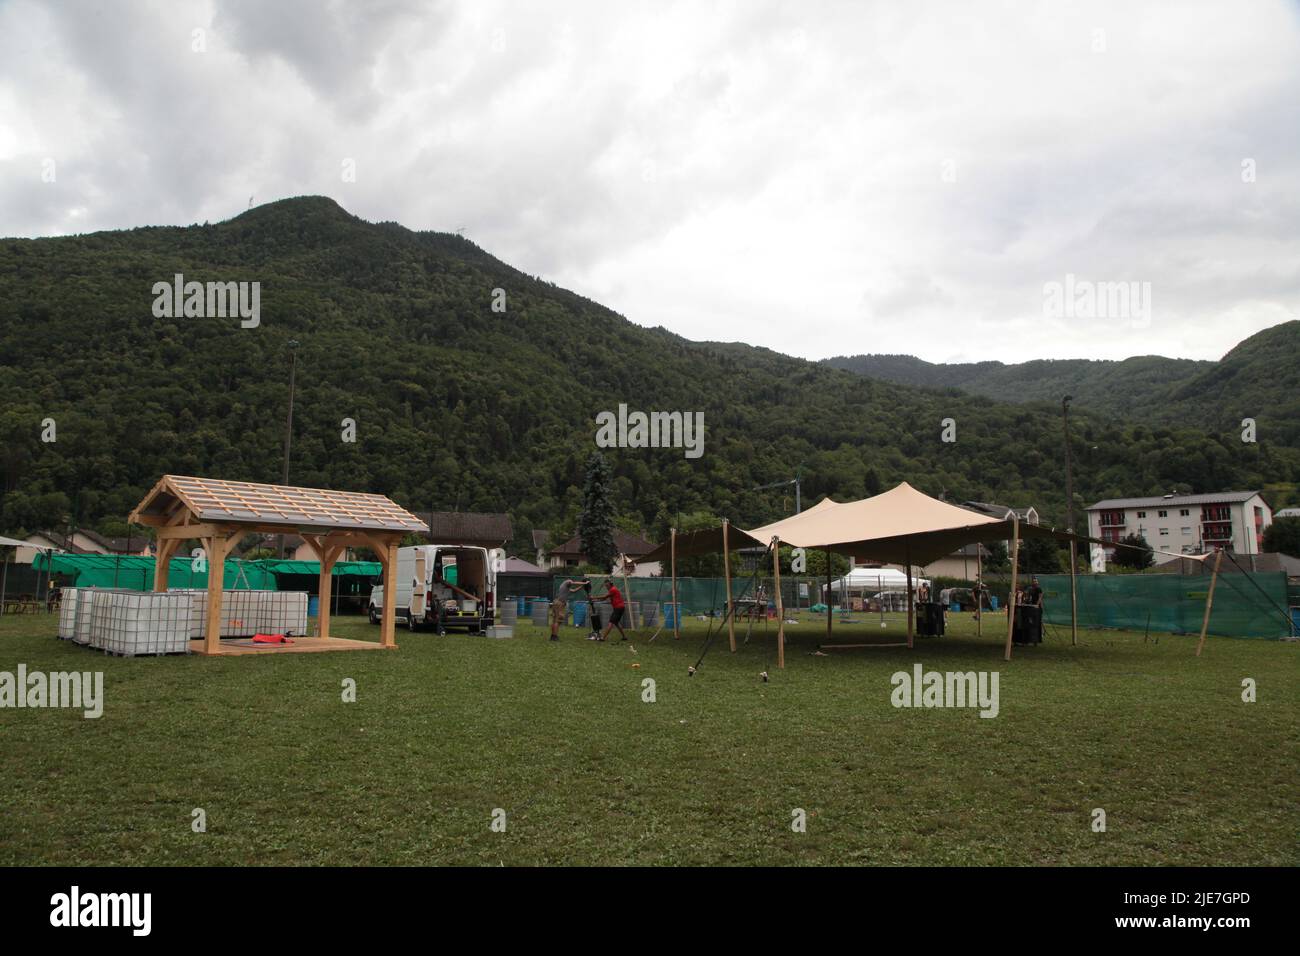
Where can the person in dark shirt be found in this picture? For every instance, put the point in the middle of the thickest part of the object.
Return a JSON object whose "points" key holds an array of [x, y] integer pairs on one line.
{"points": [[1034, 594]]}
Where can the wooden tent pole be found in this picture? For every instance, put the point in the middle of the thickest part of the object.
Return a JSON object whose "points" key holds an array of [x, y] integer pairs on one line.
{"points": [[726, 573], [907, 556], [780, 604], [1074, 596], [979, 597], [828, 595], [677, 611], [627, 592], [1011, 595], [1209, 601]]}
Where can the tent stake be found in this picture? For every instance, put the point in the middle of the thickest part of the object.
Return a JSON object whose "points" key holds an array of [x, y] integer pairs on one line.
{"points": [[1011, 596], [1209, 601]]}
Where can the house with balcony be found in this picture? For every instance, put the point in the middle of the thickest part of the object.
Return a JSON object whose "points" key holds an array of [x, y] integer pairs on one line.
{"points": [[1185, 524]]}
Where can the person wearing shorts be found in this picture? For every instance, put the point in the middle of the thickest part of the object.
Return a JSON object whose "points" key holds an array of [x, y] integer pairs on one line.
{"points": [[619, 607], [560, 606]]}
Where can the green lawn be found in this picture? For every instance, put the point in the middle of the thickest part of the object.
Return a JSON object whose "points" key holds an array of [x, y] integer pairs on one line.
{"points": [[447, 729]]}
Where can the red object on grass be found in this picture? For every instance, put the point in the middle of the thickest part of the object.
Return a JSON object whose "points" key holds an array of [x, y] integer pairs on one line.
{"points": [[271, 639]]}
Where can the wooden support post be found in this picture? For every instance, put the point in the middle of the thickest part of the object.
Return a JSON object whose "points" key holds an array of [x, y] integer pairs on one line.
{"points": [[979, 590], [215, 550], [780, 604], [1209, 601], [726, 573], [162, 562], [677, 611], [1074, 596], [1011, 595], [828, 595], [907, 554], [387, 627], [328, 555]]}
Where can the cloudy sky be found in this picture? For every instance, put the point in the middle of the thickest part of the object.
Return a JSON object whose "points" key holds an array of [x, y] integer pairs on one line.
{"points": [[818, 178]]}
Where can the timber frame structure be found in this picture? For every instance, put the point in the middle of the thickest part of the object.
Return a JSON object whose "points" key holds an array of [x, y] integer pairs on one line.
{"points": [[218, 513]]}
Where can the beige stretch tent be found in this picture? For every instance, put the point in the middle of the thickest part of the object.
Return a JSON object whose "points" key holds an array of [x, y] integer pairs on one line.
{"points": [[902, 526], [218, 513]]}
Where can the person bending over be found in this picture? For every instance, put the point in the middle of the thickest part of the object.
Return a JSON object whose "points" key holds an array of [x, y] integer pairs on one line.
{"points": [[560, 606]]}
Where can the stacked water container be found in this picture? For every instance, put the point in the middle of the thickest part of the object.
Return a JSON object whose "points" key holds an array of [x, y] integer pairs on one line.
{"points": [[68, 614], [282, 612], [80, 630], [245, 613], [141, 622]]}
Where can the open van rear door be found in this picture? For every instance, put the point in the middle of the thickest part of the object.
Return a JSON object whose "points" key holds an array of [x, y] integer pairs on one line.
{"points": [[419, 586]]}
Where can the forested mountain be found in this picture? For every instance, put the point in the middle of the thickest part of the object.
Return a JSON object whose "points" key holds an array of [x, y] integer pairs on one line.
{"points": [[1259, 379], [459, 406]]}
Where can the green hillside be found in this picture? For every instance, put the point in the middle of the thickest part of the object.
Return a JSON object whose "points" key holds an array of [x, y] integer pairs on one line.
{"points": [[1135, 387], [457, 406], [1259, 379]]}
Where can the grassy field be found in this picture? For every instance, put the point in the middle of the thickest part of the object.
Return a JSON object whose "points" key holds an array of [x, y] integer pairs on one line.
{"points": [[445, 730]]}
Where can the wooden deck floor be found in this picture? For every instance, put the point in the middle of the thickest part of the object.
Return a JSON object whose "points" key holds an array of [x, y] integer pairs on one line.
{"points": [[233, 647]]}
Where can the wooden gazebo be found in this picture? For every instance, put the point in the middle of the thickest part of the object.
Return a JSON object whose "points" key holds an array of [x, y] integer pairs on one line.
{"points": [[218, 513]]}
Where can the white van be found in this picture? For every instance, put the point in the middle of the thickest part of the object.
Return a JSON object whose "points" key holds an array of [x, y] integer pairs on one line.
{"points": [[442, 586]]}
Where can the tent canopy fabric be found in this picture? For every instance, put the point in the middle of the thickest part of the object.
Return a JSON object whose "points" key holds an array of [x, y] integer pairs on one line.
{"points": [[897, 526], [705, 541], [15, 543]]}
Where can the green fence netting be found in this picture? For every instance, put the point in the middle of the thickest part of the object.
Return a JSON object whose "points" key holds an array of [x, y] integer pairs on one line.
{"points": [[703, 595], [1245, 604], [136, 572], [341, 568]]}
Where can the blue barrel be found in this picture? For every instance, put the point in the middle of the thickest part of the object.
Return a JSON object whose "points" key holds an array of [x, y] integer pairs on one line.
{"points": [[993, 603], [954, 607], [579, 613], [670, 614], [313, 606]]}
